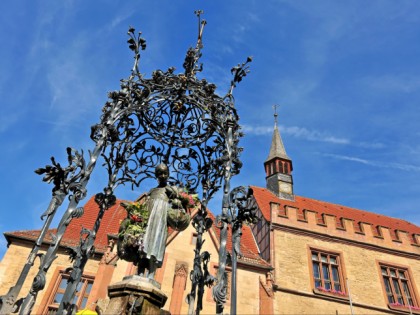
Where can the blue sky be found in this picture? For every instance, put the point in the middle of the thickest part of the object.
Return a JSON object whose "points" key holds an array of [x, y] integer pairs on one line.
{"points": [[345, 74]]}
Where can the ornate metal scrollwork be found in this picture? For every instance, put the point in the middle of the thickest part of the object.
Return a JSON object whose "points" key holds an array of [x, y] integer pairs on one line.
{"points": [[200, 275], [65, 180], [170, 118], [240, 211]]}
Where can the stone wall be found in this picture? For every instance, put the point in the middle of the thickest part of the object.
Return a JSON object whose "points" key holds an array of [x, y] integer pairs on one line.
{"points": [[15, 258], [360, 264], [180, 250]]}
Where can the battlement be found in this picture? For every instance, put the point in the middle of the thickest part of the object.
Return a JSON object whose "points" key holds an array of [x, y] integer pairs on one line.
{"points": [[348, 227], [339, 221]]}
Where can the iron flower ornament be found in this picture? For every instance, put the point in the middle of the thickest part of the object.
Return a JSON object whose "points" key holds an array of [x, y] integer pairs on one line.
{"points": [[172, 118]]}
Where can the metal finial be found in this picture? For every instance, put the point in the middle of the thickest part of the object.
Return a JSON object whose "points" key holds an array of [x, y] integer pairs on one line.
{"points": [[201, 24], [191, 65], [275, 113]]}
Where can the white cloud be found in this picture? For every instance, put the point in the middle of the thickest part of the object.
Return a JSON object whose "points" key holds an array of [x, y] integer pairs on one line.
{"points": [[310, 135], [399, 166], [297, 132], [258, 131]]}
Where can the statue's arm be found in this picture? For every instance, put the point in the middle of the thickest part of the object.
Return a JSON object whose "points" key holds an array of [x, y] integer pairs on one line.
{"points": [[172, 192]]}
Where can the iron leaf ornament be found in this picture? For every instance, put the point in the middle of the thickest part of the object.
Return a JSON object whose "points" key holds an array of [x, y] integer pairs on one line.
{"points": [[240, 210], [172, 118]]}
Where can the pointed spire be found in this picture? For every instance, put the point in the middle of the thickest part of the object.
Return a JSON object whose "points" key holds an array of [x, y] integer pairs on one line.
{"points": [[277, 148], [278, 166]]}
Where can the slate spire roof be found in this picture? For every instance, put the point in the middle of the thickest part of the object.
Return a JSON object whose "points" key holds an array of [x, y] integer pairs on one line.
{"points": [[277, 148]]}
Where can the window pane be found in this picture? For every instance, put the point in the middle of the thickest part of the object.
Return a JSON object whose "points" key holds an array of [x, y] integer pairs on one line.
{"points": [[401, 274], [335, 273], [393, 273], [406, 290], [316, 270], [58, 297], [407, 293], [387, 285], [396, 287], [327, 285], [388, 290], [397, 290], [89, 287], [83, 289], [325, 269], [63, 283], [83, 305], [384, 271], [325, 272]]}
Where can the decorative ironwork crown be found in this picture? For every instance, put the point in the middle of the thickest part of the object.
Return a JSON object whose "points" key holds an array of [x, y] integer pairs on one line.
{"points": [[172, 118]]}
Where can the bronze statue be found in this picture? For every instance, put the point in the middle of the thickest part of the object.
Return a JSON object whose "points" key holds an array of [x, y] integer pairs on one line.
{"points": [[142, 236]]}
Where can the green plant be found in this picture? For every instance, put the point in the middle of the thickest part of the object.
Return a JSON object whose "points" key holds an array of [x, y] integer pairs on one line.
{"points": [[138, 215]]}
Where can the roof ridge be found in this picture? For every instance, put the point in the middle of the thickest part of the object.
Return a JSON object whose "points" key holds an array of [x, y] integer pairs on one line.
{"points": [[338, 205], [357, 209], [265, 197]]}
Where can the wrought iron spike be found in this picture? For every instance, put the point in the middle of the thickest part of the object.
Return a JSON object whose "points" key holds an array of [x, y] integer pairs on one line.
{"points": [[191, 64], [239, 72], [172, 118]]}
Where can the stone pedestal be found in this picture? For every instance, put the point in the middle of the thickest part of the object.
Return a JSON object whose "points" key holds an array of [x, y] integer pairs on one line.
{"points": [[134, 295]]}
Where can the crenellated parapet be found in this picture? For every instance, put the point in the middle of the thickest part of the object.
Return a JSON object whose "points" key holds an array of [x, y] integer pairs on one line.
{"points": [[405, 238], [344, 224]]}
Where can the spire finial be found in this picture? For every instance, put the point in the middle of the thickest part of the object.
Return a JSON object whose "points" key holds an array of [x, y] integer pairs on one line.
{"points": [[191, 65], [275, 114], [201, 24]]}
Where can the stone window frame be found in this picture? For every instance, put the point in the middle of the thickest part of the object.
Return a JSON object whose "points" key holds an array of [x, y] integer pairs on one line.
{"points": [[406, 271], [179, 285], [47, 305], [342, 293], [193, 240]]}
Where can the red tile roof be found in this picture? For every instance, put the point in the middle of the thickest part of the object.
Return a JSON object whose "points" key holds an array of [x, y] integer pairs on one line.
{"points": [[71, 238], [249, 248], [110, 225], [264, 197]]}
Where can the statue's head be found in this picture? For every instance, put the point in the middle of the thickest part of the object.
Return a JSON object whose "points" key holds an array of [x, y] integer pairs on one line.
{"points": [[162, 173]]}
